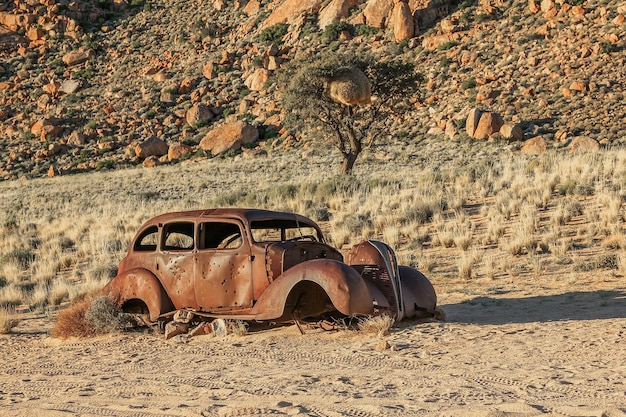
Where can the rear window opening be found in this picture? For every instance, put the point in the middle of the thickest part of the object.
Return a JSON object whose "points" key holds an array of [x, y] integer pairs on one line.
{"points": [[282, 230]]}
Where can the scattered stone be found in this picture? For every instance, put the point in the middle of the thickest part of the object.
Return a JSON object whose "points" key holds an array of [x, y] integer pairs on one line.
{"points": [[77, 57], [177, 151], [76, 138], [150, 162], [199, 114], [534, 145], [173, 328], [256, 80], [69, 86], [451, 130], [512, 131]]}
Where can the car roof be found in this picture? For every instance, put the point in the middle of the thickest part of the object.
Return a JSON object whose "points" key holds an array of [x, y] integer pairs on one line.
{"points": [[246, 215]]}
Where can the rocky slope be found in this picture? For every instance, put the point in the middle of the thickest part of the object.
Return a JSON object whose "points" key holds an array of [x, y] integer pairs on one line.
{"points": [[103, 84]]}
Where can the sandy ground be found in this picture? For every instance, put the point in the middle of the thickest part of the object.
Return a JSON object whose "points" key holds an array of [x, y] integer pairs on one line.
{"points": [[562, 354]]}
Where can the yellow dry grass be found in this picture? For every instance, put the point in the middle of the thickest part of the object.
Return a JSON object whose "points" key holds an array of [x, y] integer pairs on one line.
{"points": [[527, 217]]}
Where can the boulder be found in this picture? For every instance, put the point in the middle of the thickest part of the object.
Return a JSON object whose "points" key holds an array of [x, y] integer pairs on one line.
{"points": [[252, 8], [151, 147], [256, 80], [512, 131], [488, 124], [472, 121], [77, 57], [76, 138], [402, 20], [198, 114], [69, 86], [208, 70], [229, 137], [451, 129], [334, 11], [534, 145], [377, 13], [290, 10], [178, 150], [583, 144]]}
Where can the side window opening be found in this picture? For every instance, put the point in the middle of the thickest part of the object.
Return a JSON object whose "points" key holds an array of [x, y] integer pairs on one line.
{"points": [[147, 242], [178, 236], [216, 235]]}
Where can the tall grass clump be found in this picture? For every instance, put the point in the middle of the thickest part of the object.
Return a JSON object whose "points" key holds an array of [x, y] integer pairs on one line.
{"points": [[8, 321]]}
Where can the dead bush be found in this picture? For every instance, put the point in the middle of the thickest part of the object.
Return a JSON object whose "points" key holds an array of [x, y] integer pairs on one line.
{"points": [[71, 321], [378, 325], [90, 317]]}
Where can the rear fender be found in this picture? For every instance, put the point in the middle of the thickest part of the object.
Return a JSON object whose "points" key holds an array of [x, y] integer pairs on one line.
{"points": [[418, 294], [139, 284], [343, 285]]}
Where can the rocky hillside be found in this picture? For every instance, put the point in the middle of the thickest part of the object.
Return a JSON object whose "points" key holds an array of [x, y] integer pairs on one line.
{"points": [[103, 84]]}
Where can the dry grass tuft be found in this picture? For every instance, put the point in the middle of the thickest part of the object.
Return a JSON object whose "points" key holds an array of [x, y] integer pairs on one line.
{"points": [[378, 325], [7, 320]]}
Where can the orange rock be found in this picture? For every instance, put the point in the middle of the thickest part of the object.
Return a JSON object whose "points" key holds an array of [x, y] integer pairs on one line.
{"points": [[583, 144], [578, 11], [377, 13], [488, 124], [472, 121], [229, 137], [578, 86], [566, 92], [511, 131], [402, 21], [532, 6], [535, 145]]}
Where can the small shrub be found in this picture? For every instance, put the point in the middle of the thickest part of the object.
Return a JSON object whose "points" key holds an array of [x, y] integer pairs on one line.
{"points": [[378, 325], [444, 62], [90, 317], [447, 45], [468, 84], [365, 30], [22, 257], [274, 34], [332, 31], [71, 321], [7, 320], [607, 47]]}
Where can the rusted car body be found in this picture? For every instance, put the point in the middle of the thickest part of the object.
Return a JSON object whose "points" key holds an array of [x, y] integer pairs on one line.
{"points": [[260, 265]]}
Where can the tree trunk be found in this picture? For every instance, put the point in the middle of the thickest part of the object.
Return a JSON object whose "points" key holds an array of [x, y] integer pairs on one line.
{"points": [[347, 162]]}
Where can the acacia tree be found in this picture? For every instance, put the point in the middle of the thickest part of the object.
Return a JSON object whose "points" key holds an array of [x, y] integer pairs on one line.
{"points": [[311, 110]]}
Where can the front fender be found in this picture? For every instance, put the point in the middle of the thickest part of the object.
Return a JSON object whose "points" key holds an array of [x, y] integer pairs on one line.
{"points": [[139, 284], [418, 294], [345, 288]]}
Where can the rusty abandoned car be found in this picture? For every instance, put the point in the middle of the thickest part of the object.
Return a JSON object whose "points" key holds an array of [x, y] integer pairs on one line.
{"points": [[260, 266]]}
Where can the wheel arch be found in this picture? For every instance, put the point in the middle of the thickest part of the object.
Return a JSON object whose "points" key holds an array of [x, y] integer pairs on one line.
{"points": [[135, 285], [345, 289]]}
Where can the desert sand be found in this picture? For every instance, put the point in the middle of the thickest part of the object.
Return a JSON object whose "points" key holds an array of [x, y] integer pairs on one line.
{"points": [[536, 351]]}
